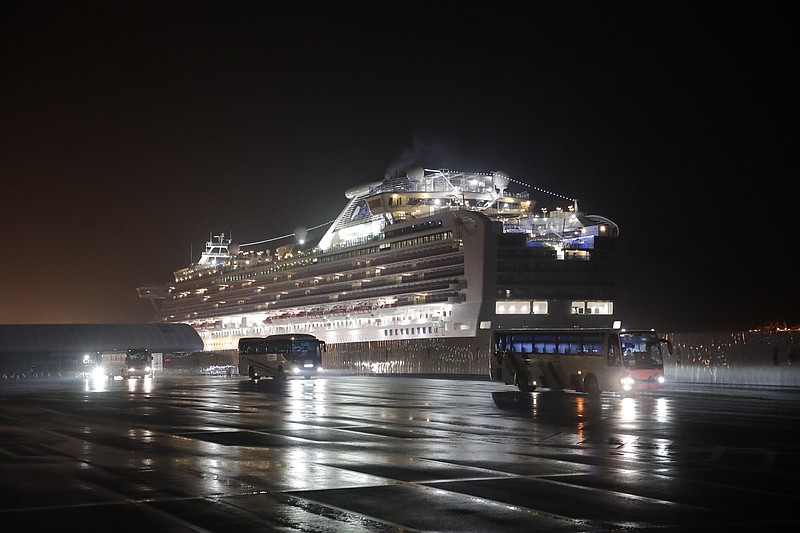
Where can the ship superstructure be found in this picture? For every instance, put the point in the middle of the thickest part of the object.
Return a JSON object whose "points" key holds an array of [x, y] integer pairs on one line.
{"points": [[412, 276]]}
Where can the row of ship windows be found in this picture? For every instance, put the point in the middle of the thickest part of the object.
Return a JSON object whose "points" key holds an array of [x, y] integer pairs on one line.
{"points": [[447, 235], [223, 330], [542, 307], [410, 331]]}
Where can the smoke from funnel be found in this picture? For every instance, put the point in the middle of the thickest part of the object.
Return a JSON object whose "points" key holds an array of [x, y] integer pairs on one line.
{"points": [[437, 152]]}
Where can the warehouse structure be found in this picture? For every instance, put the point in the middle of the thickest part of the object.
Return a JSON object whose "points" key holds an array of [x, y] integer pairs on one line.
{"points": [[34, 350]]}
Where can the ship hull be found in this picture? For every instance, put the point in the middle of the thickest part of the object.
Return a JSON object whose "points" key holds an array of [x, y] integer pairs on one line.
{"points": [[455, 356]]}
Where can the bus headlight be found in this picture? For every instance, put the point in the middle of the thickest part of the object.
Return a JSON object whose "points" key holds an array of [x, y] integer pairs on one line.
{"points": [[627, 382], [98, 372], [661, 380], [296, 369]]}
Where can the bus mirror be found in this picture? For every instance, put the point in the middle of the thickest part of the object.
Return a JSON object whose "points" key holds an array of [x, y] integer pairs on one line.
{"points": [[668, 343]]}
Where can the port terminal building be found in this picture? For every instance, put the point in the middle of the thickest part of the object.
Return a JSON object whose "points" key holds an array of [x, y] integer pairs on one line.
{"points": [[63, 350]]}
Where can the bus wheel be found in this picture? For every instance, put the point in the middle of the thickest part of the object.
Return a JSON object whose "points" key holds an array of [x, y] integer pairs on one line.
{"points": [[251, 371], [591, 387], [523, 385], [280, 376]]}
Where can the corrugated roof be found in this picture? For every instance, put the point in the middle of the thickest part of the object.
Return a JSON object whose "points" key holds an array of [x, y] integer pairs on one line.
{"points": [[170, 338]]}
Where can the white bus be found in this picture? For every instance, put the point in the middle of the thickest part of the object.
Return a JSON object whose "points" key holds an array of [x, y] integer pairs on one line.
{"points": [[589, 360], [280, 356], [132, 363]]}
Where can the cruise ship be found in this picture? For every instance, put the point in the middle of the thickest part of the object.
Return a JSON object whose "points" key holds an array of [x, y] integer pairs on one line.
{"points": [[411, 277]]}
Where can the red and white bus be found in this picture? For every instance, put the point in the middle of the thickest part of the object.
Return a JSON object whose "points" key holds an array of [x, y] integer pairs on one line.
{"points": [[590, 360]]}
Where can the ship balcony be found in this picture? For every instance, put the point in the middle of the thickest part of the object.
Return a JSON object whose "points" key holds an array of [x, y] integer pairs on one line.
{"points": [[153, 292]]}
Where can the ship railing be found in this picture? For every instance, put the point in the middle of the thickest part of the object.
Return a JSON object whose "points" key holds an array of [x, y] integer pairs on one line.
{"points": [[515, 228], [446, 265], [405, 290], [357, 222], [429, 284], [290, 290]]}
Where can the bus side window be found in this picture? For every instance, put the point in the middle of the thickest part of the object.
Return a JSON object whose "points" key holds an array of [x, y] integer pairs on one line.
{"points": [[526, 344], [593, 344], [549, 343]]}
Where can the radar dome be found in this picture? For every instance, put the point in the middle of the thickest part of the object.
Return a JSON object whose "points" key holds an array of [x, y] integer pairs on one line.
{"points": [[360, 190], [500, 179], [415, 173], [233, 248]]}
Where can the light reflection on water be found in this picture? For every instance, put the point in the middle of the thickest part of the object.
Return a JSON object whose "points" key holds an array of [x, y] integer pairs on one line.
{"points": [[140, 385], [306, 398], [628, 409], [662, 410], [631, 412], [95, 384]]}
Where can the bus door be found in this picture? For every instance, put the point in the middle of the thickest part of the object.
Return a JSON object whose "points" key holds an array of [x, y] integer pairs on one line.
{"points": [[552, 373], [512, 364]]}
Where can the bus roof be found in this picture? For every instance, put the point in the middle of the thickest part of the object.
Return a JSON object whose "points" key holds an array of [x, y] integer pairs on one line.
{"points": [[283, 336]]}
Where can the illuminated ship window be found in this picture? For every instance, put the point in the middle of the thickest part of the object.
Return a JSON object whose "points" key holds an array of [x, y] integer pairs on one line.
{"points": [[513, 307], [540, 307], [603, 307], [593, 307]]}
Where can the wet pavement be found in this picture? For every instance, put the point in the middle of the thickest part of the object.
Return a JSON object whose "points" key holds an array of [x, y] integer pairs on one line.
{"points": [[390, 454]]}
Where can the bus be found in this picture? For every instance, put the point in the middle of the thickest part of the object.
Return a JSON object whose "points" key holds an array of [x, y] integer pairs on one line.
{"points": [[138, 363], [132, 363], [587, 360], [280, 356]]}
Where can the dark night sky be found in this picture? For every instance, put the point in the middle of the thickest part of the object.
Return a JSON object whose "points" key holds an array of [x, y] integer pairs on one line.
{"points": [[130, 130]]}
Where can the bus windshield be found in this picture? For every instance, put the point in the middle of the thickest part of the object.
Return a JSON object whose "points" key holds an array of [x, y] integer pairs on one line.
{"points": [[138, 363], [292, 349], [641, 349], [134, 357]]}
